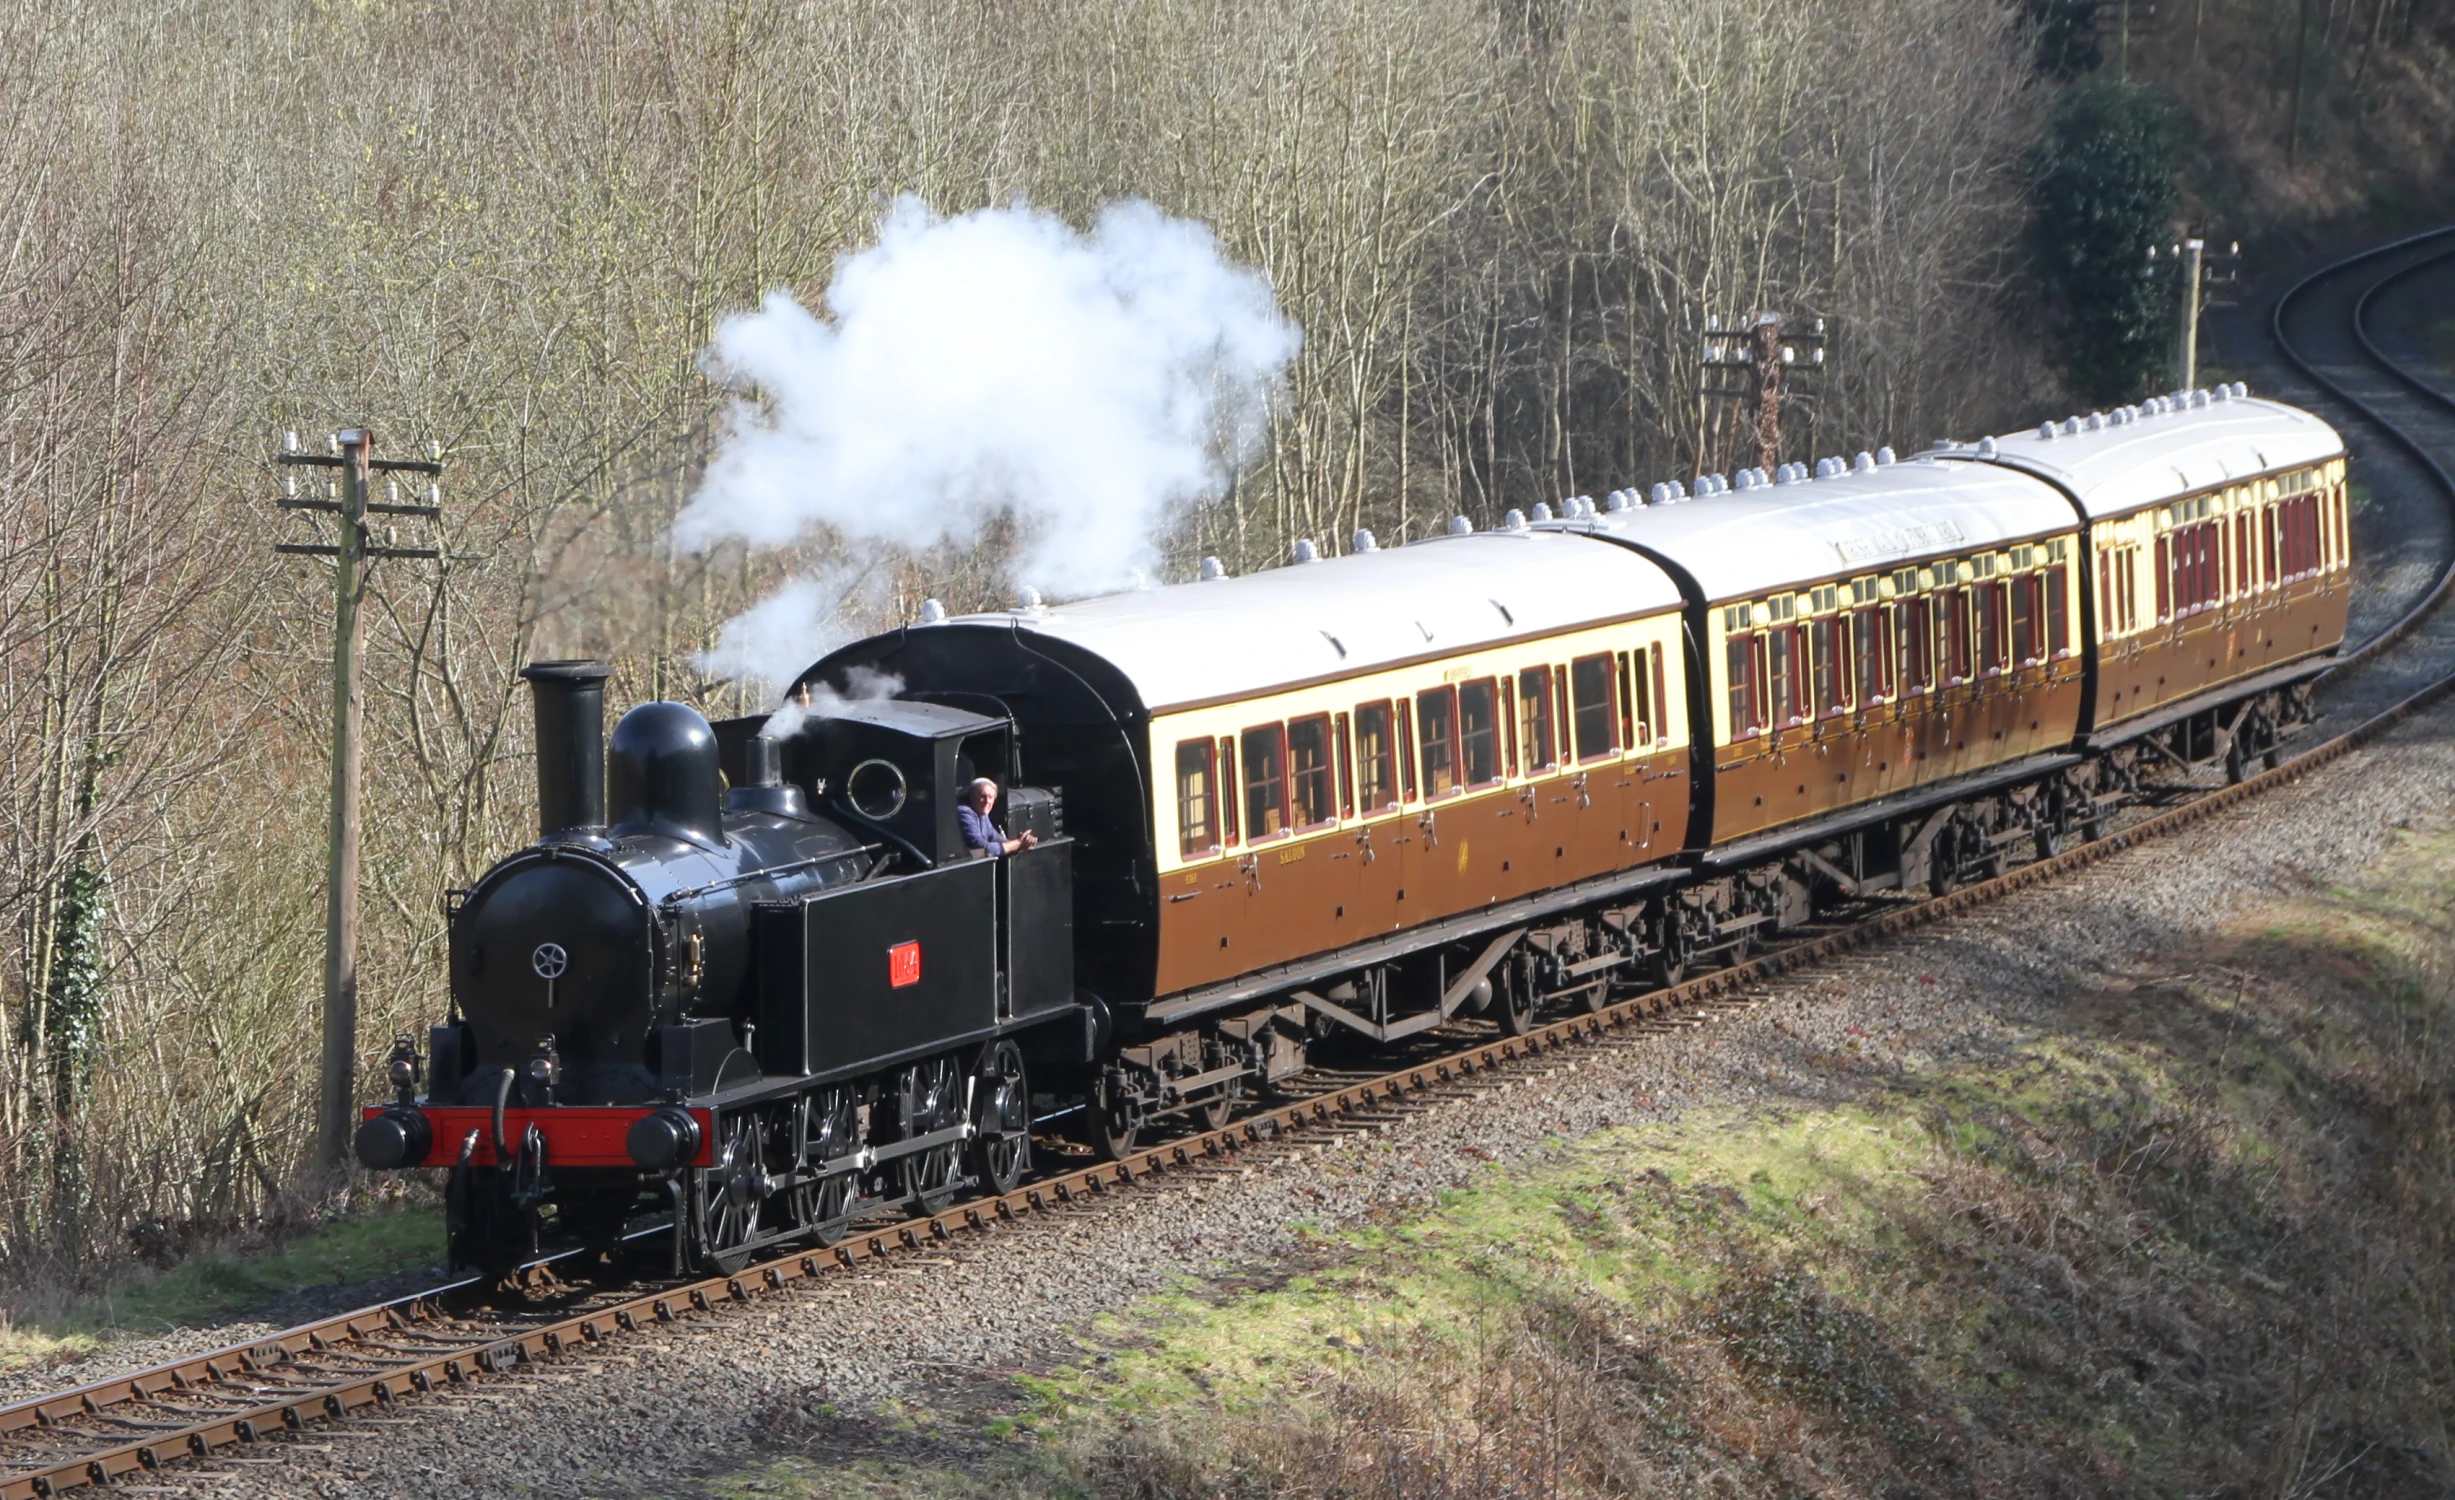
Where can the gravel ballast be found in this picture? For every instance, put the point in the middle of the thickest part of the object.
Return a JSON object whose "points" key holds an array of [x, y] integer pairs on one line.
{"points": [[662, 1407]]}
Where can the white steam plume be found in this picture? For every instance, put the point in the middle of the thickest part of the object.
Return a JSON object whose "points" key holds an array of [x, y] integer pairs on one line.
{"points": [[1091, 384]]}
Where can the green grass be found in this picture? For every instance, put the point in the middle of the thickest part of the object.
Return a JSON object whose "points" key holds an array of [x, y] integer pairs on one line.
{"points": [[213, 1285], [2192, 1237]]}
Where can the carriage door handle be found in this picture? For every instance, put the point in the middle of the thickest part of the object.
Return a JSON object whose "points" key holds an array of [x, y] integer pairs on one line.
{"points": [[1430, 824], [1583, 799], [1251, 867], [1526, 795], [1363, 841]]}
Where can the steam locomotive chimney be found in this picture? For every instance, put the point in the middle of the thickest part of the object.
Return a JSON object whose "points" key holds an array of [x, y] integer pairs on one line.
{"points": [[570, 744]]}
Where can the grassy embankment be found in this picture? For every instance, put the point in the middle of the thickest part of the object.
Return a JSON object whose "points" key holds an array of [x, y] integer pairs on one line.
{"points": [[2192, 1240], [60, 1328]]}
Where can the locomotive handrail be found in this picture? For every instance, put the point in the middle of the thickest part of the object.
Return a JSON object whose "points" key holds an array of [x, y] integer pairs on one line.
{"points": [[768, 872]]}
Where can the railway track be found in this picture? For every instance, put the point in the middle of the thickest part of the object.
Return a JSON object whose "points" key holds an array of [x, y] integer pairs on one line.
{"points": [[256, 1395]]}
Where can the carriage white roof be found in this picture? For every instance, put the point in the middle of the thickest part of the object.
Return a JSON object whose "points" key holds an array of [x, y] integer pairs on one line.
{"points": [[1743, 544], [1244, 637], [2158, 455]]}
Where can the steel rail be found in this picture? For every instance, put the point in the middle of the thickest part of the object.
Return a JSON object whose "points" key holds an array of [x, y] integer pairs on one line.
{"points": [[2430, 602], [391, 1374]]}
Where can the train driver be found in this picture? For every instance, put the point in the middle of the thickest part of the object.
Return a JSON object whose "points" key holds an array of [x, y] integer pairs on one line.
{"points": [[979, 799]]}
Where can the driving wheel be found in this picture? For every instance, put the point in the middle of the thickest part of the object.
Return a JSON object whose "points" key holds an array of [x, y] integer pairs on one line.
{"points": [[1001, 1117]]}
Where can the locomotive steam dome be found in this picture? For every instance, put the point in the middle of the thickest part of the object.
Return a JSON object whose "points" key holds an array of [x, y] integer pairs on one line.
{"points": [[663, 779]]}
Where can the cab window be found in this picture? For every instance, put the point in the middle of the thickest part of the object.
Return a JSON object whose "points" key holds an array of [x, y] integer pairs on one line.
{"points": [[1197, 795]]}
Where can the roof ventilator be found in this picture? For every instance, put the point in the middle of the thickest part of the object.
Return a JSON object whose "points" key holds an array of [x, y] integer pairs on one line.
{"points": [[1986, 447], [1213, 570], [1542, 511], [1364, 543], [1306, 552], [932, 612], [1460, 526], [1028, 601], [1884, 456], [1864, 463]]}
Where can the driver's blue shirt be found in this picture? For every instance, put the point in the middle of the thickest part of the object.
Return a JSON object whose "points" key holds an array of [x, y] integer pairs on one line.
{"points": [[978, 831]]}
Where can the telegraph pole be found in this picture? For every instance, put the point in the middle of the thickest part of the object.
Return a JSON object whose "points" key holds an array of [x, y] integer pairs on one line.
{"points": [[1755, 366], [350, 453], [2197, 268]]}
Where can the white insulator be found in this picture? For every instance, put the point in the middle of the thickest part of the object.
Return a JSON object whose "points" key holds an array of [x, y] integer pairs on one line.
{"points": [[1460, 526], [932, 612], [1213, 570], [1364, 543]]}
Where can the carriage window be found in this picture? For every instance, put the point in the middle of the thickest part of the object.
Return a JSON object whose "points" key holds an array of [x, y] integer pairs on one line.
{"points": [[1265, 752], [1508, 727], [2024, 620], [1346, 768], [1831, 670], [2245, 566], [1954, 605], [1227, 784], [1913, 639], [1630, 713], [1867, 654], [1739, 659], [1784, 702], [1376, 757], [1534, 731], [1479, 731], [1436, 721], [2268, 572], [1990, 626], [1405, 738], [1309, 787], [1661, 719], [2058, 612], [1197, 791], [1590, 691]]}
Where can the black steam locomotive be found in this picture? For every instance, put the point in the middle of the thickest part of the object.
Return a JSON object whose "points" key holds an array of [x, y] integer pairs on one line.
{"points": [[699, 995]]}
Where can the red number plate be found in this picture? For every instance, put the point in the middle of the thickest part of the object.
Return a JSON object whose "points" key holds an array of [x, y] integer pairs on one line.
{"points": [[903, 965]]}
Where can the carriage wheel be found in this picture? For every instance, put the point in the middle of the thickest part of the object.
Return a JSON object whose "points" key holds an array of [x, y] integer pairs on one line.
{"points": [[1112, 1117], [1513, 999]]}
